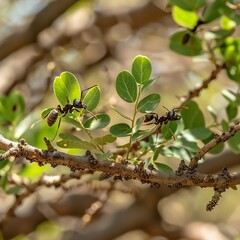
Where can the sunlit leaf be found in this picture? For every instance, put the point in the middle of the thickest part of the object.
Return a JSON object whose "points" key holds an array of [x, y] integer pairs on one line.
{"points": [[92, 97], [33, 171], [141, 69], [184, 18], [66, 87]]}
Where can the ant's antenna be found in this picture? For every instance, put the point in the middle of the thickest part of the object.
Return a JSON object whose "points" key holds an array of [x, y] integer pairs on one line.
{"points": [[91, 114]]}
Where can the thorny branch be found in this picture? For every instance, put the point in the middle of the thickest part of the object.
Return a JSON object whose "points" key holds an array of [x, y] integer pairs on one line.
{"points": [[182, 177], [214, 142], [196, 92]]}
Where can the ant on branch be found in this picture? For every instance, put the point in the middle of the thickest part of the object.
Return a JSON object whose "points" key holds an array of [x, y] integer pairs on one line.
{"points": [[53, 115], [168, 117]]}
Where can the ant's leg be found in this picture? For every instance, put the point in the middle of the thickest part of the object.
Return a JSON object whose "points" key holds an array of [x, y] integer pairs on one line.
{"points": [[173, 135], [86, 111], [59, 122], [60, 109]]}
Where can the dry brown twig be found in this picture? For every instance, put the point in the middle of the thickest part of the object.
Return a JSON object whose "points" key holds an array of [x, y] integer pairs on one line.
{"points": [[196, 92]]}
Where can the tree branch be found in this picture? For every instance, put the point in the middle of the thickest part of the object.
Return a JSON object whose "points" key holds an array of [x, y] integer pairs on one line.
{"points": [[196, 92], [184, 175], [214, 142]]}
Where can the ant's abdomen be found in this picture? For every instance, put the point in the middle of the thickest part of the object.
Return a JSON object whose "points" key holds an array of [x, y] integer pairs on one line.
{"points": [[52, 117]]}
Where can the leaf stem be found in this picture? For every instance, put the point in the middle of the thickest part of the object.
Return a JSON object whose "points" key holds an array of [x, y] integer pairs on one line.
{"points": [[90, 136], [133, 120]]}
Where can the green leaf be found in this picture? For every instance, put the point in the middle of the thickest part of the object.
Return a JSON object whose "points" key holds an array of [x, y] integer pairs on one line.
{"points": [[101, 122], [121, 130], [147, 162], [91, 99], [221, 33], [139, 134], [193, 134], [3, 163], [193, 116], [188, 5], [217, 149], [181, 153], [149, 103], [103, 140], [157, 152], [141, 69], [74, 122], [17, 104], [184, 18], [169, 129], [126, 86], [230, 50], [45, 112], [162, 167], [149, 83], [70, 141], [192, 47], [232, 110], [103, 156], [66, 88], [190, 146], [139, 123], [234, 143], [213, 10], [121, 114], [12, 108]]}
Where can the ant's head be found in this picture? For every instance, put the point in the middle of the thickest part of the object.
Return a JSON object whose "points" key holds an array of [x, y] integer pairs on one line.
{"points": [[77, 103], [172, 116]]}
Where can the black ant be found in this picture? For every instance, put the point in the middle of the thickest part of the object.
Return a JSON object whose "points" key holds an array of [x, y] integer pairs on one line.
{"points": [[52, 116], [168, 117]]}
